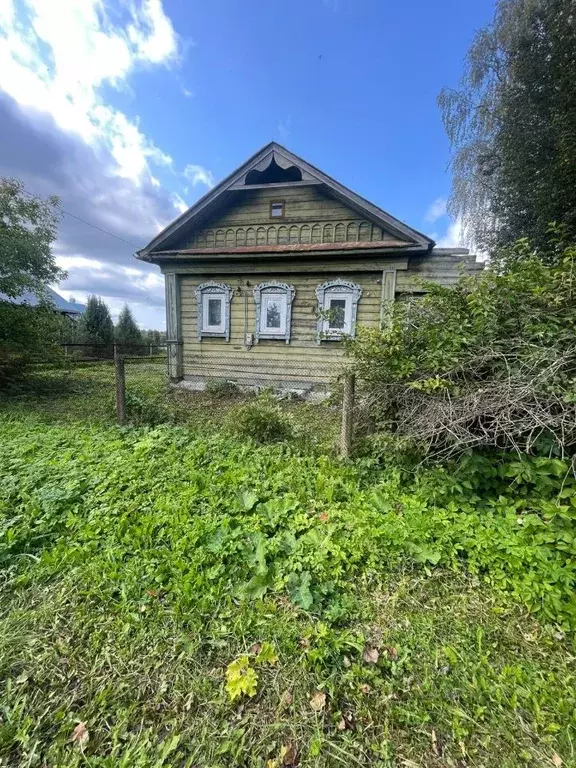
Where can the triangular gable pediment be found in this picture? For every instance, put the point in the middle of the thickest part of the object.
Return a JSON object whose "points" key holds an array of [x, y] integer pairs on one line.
{"points": [[276, 168]]}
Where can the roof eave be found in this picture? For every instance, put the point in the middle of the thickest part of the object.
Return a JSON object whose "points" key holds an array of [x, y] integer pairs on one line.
{"points": [[292, 250]]}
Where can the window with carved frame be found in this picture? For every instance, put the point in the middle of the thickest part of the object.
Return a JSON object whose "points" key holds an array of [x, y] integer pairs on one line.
{"points": [[213, 304], [337, 309], [273, 310]]}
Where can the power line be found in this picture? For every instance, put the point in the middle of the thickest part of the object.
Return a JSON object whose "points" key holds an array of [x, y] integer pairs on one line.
{"points": [[89, 223], [95, 226]]}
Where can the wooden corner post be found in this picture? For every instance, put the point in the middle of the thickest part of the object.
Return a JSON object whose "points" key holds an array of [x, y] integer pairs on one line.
{"points": [[388, 296], [120, 387], [173, 326], [347, 429]]}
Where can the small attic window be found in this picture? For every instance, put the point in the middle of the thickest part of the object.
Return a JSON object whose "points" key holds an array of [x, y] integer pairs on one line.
{"points": [[277, 209]]}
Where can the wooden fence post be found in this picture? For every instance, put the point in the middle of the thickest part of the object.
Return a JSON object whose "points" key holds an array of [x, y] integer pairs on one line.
{"points": [[120, 388], [347, 428]]}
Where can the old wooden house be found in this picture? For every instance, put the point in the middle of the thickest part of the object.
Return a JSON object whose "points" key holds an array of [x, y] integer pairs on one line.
{"points": [[269, 271]]}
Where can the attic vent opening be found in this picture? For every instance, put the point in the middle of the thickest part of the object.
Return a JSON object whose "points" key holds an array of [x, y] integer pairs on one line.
{"points": [[274, 174]]}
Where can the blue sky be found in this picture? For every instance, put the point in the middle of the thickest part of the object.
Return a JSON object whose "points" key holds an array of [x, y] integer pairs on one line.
{"points": [[132, 110]]}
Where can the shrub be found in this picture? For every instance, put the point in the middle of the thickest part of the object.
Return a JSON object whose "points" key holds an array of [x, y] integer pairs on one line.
{"points": [[221, 388], [146, 411], [27, 334], [490, 362], [261, 420]]}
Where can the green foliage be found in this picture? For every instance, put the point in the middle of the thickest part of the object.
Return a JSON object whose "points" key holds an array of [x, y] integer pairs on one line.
{"points": [[241, 678], [28, 227], [261, 420], [273, 520], [154, 337], [491, 361], [512, 125], [127, 331], [221, 388], [27, 334], [147, 410], [96, 326]]}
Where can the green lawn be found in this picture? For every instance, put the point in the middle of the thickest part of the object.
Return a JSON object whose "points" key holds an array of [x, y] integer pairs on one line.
{"points": [[374, 618]]}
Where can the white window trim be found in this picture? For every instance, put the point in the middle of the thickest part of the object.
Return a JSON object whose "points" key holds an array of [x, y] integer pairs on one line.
{"points": [[287, 292], [203, 293], [341, 289]]}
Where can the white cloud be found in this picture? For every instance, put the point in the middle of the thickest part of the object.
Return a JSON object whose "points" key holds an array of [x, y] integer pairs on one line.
{"points": [[453, 237], [436, 210], [60, 63], [180, 204], [284, 127], [197, 174], [153, 33], [55, 58], [142, 289]]}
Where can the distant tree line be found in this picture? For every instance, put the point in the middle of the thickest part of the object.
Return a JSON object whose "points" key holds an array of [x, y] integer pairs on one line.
{"points": [[96, 326]]}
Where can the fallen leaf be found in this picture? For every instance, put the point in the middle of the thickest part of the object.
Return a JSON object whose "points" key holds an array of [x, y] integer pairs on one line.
{"points": [[80, 735], [304, 642], [341, 725], [365, 688], [392, 653], [289, 756], [255, 648], [371, 655], [557, 760], [346, 661], [323, 517], [318, 701], [434, 742]]}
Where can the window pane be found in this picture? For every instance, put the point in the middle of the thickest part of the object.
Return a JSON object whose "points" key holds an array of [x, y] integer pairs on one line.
{"points": [[277, 210], [337, 314], [273, 314], [214, 311]]}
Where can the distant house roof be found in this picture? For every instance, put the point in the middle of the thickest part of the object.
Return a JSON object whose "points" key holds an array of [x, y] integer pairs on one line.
{"points": [[60, 303]]}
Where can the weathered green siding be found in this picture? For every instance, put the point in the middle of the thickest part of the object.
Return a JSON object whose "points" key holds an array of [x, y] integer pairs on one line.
{"points": [[382, 278], [443, 268], [311, 216], [274, 361]]}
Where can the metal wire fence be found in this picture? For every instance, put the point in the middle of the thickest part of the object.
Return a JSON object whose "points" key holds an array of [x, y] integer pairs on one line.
{"points": [[135, 384]]}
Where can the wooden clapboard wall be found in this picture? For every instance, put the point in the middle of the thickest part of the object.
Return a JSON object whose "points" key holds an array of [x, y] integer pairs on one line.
{"points": [[303, 359]]}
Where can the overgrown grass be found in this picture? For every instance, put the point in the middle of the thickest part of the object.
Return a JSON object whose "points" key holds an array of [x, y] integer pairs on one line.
{"points": [[85, 393], [139, 563]]}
